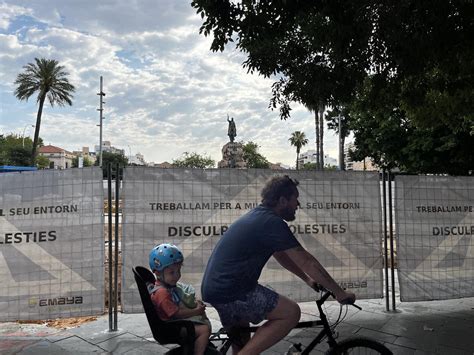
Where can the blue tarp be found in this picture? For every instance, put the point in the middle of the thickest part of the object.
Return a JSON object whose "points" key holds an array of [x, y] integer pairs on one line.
{"points": [[9, 168]]}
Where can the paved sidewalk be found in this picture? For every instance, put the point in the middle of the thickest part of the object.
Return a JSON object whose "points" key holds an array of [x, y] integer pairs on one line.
{"points": [[437, 327]]}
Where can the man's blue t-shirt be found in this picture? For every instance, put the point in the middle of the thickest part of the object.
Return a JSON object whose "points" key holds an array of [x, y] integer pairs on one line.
{"points": [[240, 255]]}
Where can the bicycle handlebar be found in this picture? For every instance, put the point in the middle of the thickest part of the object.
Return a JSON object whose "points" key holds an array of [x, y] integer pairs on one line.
{"points": [[327, 293]]}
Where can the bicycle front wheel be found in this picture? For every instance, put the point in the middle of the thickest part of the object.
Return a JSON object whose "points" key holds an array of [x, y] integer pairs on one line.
{"points": [[359, 346]]}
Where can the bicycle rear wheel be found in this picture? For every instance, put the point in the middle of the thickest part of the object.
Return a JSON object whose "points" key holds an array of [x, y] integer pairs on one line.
{"points": [[359, 346]]}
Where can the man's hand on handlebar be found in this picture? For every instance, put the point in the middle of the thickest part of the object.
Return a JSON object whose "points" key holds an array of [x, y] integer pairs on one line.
{"points": [[342, 297]]}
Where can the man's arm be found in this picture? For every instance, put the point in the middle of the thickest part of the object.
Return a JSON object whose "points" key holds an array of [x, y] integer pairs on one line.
{"points": [[285, 261], [300, 259]]}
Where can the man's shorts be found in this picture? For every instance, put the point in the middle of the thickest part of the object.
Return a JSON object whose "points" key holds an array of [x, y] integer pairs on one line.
{"points": [[253, 308]]}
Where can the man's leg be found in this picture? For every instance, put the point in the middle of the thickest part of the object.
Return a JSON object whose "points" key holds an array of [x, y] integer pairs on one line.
{"points": [[281, 320], [238, 336]]}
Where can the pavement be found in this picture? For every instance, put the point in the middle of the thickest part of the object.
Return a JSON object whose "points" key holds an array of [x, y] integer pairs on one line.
{"points": [[435, 327]]}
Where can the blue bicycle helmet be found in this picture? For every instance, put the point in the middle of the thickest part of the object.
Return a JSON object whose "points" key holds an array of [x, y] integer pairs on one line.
{"points": [[164, 255]]}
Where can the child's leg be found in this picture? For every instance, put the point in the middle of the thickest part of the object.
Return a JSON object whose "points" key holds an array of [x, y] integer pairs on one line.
{"points": [[202, 338]]}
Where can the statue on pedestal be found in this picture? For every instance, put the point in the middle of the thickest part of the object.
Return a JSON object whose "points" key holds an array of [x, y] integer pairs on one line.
{"points": [[231, 130], [232, 152]]}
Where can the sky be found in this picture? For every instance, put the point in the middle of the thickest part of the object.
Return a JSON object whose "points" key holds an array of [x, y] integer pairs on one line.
{"points": [[166, 92]]}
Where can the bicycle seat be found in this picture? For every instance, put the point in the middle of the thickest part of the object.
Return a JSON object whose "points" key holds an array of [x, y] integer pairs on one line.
{"points": [[164, 332]]}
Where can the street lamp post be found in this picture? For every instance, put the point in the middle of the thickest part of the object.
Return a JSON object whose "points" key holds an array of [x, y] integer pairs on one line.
{"points": [[129, 154], [341, 146], [101, 118], [24, 129]]}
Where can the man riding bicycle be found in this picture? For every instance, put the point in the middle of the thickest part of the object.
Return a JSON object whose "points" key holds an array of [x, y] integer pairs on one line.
{"points": [[230, 282]]}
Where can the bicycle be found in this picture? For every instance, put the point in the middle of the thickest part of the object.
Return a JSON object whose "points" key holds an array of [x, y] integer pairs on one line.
{"points": [[354, 345]]}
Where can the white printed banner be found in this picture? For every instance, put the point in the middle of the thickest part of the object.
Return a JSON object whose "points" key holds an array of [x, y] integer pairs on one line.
{"points": [[339, 222], [435, 228], [51, 244]]}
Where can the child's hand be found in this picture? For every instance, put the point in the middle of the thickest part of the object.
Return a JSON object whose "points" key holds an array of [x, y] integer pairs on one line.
{"points": [[200, 307]]}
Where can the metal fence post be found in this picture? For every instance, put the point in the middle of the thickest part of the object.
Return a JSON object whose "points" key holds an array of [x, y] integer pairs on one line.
{"points": [[392, 258], [116, 238], [384, 194], [109, 225]]}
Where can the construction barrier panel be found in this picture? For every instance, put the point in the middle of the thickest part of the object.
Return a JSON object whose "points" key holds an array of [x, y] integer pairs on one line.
{"points": [[339, 222], [435, 244], [51, 244]]}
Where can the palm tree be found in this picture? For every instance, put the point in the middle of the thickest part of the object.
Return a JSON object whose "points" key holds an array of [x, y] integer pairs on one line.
{"points": [[49, 79], [298, 139], [321, 136], [318, 110]]}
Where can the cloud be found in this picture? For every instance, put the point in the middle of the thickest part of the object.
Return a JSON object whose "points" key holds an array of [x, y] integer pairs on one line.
{"points": [[166, 92], [10, 11]]}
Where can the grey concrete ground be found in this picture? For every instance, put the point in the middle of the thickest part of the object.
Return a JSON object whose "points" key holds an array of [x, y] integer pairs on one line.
{"points": [[437, 327]]}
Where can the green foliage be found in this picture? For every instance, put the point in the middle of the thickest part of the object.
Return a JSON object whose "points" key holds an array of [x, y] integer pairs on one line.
{"points": [[19, 156], [42, 162], [354, 54], [12, 151], [47, 78], [385, 133], [194, 160], [309, 166], [298, 139], [113, 160], [253, 158], [313, 166], [338, 119], [86, 162], [320, 49]]}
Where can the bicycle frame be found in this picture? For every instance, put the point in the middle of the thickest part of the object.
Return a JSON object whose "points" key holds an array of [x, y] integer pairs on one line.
{"points": [[223, 336], [326, 331]]}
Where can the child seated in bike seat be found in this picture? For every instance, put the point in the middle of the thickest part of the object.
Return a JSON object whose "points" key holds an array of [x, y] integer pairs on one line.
{"points": [[173, 299]]}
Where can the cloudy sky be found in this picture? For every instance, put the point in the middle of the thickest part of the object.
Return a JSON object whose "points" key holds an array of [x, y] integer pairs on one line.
{"points": [[166, 92]]}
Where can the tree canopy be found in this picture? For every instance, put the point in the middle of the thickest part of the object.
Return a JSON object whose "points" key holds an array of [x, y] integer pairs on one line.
{"points": [[42, 162], [16, 150], [47, 78], [384, 132], [86, 161], [298, 140], [194, 160], [113, 159], [253, 158], [346, 53]]}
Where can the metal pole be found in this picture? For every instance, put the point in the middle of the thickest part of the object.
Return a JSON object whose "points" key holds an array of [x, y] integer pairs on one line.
{"points": [[116, 238], [100, 109], [109, 219], [24, 129], [392, 258], [384, 193], [341, 148]]}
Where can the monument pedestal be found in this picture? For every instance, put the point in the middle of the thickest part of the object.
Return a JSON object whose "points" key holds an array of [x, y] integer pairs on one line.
{"points": [[232, 156]]}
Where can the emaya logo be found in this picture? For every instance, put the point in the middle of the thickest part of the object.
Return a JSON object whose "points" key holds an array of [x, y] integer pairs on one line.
{"points": [[55, 301], [60, 301]]}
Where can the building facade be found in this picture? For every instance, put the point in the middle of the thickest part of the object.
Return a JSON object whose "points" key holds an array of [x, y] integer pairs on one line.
{"points": [[137, 159], [363, 165], [85, 154], [59, 158], [310, 157], [107, 147]]}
